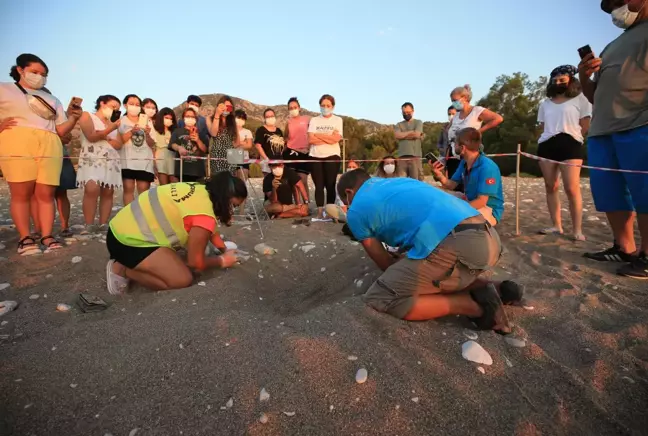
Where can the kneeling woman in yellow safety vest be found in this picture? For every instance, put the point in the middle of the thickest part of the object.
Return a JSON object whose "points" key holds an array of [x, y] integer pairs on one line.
{"points": [[143, 236]]}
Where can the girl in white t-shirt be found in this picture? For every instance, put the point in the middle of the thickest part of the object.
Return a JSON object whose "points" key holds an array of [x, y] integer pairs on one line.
{"points": [[243, 142], [564, 118], [137, 151], [324, 136], [31, 124]]}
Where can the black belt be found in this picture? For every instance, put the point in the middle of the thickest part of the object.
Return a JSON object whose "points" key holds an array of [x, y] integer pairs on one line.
{"points": [[471, 226]]}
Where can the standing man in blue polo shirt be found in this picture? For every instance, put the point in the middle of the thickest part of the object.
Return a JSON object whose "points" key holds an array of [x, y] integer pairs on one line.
{"points": [[480, 176], [446, 242]]}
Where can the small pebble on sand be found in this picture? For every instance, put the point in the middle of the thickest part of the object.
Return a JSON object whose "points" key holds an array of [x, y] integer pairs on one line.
{"points": [[474, 352], [361, 376], [230, 403], [264, 395], [352, 358], [415, 399], [482, 370], [63, 307], [73, 385], [289, 413], [4, 286], [470, 334], [202, 284], [76, 259], [515, 342], [323, 269], [34, 297]]}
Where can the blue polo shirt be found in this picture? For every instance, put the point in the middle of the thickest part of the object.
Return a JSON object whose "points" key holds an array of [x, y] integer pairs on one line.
{"points": [[484, 178], [405, 213]]}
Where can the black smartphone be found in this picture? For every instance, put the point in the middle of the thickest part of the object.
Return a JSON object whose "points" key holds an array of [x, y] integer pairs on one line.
{"points": [[584, 51], [431, 157], [115, 116]]}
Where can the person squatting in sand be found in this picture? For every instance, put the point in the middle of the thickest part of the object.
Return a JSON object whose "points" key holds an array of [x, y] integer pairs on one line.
{"points": [[281, 187], [479, 175], [447, 243], [144, 235]]}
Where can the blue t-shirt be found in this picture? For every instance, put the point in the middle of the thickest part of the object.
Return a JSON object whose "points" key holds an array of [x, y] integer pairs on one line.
{"points": [[484, 178], [405, 213]]}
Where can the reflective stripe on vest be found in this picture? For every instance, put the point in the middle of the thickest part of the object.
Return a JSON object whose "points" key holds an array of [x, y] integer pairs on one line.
{"points": [[160, 217]]}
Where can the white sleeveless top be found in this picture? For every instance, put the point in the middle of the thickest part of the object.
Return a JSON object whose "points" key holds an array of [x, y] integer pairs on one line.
{"points": [[136, 155], [99, 161], [472, 120]]}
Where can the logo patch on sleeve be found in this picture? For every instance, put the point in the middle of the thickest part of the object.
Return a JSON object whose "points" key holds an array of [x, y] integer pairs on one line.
{"points": [[490, 181]]}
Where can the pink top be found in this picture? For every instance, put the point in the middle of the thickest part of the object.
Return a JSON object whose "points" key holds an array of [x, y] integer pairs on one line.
{"points": [[298, 133], [206, 222]]}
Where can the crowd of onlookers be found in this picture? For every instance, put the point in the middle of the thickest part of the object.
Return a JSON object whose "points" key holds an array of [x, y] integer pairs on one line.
{"points": [[129, 143]]}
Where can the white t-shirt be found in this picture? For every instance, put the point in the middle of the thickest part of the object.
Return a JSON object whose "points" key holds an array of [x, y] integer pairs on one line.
{"points": [[13, 103], [243, 135], [472, 120], [564, 117], [136, 153], [325, 126]]}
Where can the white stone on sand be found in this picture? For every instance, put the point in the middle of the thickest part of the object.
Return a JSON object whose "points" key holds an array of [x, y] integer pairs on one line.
{"points": [[76, 259], [515, 342], [34, 297], [306, 248], [264, 395], [4, 286], [361, 376], [470, 334], [474, 352]]}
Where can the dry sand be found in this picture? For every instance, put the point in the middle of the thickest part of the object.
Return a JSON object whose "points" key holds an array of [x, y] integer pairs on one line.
{"points": [[166, 363]]}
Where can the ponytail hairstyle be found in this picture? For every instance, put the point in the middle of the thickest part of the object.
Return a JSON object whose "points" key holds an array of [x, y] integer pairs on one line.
{"points": [[105, 99], [23, 61], [463, 91], [222, 187]]}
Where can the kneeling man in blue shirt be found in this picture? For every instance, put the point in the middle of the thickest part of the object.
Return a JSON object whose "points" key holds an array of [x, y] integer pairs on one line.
{"points": [[447, 245], [480, 176]]}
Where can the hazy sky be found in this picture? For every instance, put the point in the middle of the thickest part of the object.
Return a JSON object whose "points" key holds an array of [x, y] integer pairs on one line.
{"points": [[372, 55]]}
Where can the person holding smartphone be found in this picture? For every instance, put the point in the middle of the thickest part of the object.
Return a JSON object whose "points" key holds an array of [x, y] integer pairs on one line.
{"points": [[224, 134], [165, 124], [138, 167], [186, 142], [269, 140], [99, 171]]}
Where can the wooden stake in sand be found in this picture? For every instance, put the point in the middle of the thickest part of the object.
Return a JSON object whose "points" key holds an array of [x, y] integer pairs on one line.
{"points": [[517, 190]]}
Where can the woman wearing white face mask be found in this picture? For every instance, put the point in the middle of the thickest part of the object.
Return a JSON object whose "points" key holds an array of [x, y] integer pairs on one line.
{"points": [[99, 170], [224, 135], [187, 142], [138, 167], [387, 168], [165, 123], [297, 146], [31, 124], [269, 140]]}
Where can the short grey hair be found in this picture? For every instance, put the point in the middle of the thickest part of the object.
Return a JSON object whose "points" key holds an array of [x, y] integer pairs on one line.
{"points": [[464, 91]]}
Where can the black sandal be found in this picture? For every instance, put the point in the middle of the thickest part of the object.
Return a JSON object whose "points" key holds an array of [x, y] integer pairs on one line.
{"points": [[494, 317], [54, 245], [27, 246]]}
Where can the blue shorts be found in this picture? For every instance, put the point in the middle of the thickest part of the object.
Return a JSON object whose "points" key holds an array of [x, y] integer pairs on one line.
{"points": [[614, 191]]}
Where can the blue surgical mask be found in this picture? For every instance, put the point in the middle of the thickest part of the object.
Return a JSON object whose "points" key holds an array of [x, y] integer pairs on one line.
{"points": [[457, 104], [326, 111]]}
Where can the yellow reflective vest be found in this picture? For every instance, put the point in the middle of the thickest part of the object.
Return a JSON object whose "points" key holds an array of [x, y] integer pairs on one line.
{"points": [[156, 217]]}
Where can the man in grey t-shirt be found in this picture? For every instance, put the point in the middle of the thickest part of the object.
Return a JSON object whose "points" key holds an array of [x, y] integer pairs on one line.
{"points": [[409, 134], [618, 136]]}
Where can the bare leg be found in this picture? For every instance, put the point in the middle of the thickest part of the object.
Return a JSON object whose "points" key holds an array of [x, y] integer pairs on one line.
{"points": [[163, 179], [90, 194], [45, 197], [622, 223], [21, 194], [241, 173], [162, 270], [129, 191], [63, 207], [439, 305], [642, 219], [142, 187], [173, 179], [550, 173], [571, 182], [33, 212], [105, 204]]}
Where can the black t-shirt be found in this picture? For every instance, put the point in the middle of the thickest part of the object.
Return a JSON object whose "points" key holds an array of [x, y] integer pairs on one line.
{"points": [[272, 142], [190, 167], [285, 191]]}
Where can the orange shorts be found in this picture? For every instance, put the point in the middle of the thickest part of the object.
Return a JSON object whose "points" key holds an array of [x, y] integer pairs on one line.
{"points": [[29, 144]]}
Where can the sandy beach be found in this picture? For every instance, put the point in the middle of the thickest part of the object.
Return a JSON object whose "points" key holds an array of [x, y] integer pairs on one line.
{"points": [[168, 363]]}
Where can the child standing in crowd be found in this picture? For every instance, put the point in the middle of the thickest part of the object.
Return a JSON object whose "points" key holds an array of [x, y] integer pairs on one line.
{"points": [[245, 143], [99, 161], [31, 124], [269, 140], [165, 123], [66, 183], [297, 147], [224, 135], [187, 143], [138, 168], [324, 136]]}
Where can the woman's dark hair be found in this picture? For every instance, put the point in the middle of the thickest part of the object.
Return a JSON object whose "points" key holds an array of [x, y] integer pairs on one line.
{"points": [[105, 99], [573, 89], [230, 120], [194, 99], [149, 100], [158, 124], [125, 100], [222, 187], [268, 110], [240, 113], [23, 61], [291, 99], [380, 171], [451, 108], [190, 109], [327, 97]]}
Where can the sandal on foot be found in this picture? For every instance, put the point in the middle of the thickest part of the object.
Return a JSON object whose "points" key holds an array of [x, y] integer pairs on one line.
{"points": [[494, 316], [550, 231], [52, 245], [27, 246], [579, 237], [66, 233]]}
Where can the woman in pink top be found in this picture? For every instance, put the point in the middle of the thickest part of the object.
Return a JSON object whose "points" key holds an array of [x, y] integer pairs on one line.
{"points": [[296, 133]]}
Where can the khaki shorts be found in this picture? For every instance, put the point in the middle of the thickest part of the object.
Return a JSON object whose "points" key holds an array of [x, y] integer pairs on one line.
{"points": [[29, 144], [456, 262]]}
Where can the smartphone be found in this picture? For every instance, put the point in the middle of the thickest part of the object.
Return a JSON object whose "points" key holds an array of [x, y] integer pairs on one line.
{"points": [[584, 51], [75, 102], [143, 120], [430, 156], [115, 116]]}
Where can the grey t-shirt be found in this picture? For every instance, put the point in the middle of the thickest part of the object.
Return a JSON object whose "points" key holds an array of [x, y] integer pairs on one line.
{"points": [[409, 147], [621, 97]]}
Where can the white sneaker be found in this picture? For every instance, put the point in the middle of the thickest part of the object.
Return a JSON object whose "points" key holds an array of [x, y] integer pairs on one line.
{"points": [[117, 285]]}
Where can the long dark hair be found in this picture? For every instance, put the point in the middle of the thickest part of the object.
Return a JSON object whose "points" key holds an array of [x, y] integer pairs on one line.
{"points": [[23, 61], [158, 124], [222, 187], [147, 101], [105, 99], [573, 89], [230, 120]]}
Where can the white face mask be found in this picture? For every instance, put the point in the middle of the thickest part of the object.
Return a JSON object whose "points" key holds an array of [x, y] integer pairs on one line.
{"points": [[623, 17], [194, 107], [35, 81], [277, 171], [240, 123], [190, 122], [149, 111], [107, 112], [294, 112], [133, 110], [450, 118], [271, 121], [389, 168], [167, 122]]}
